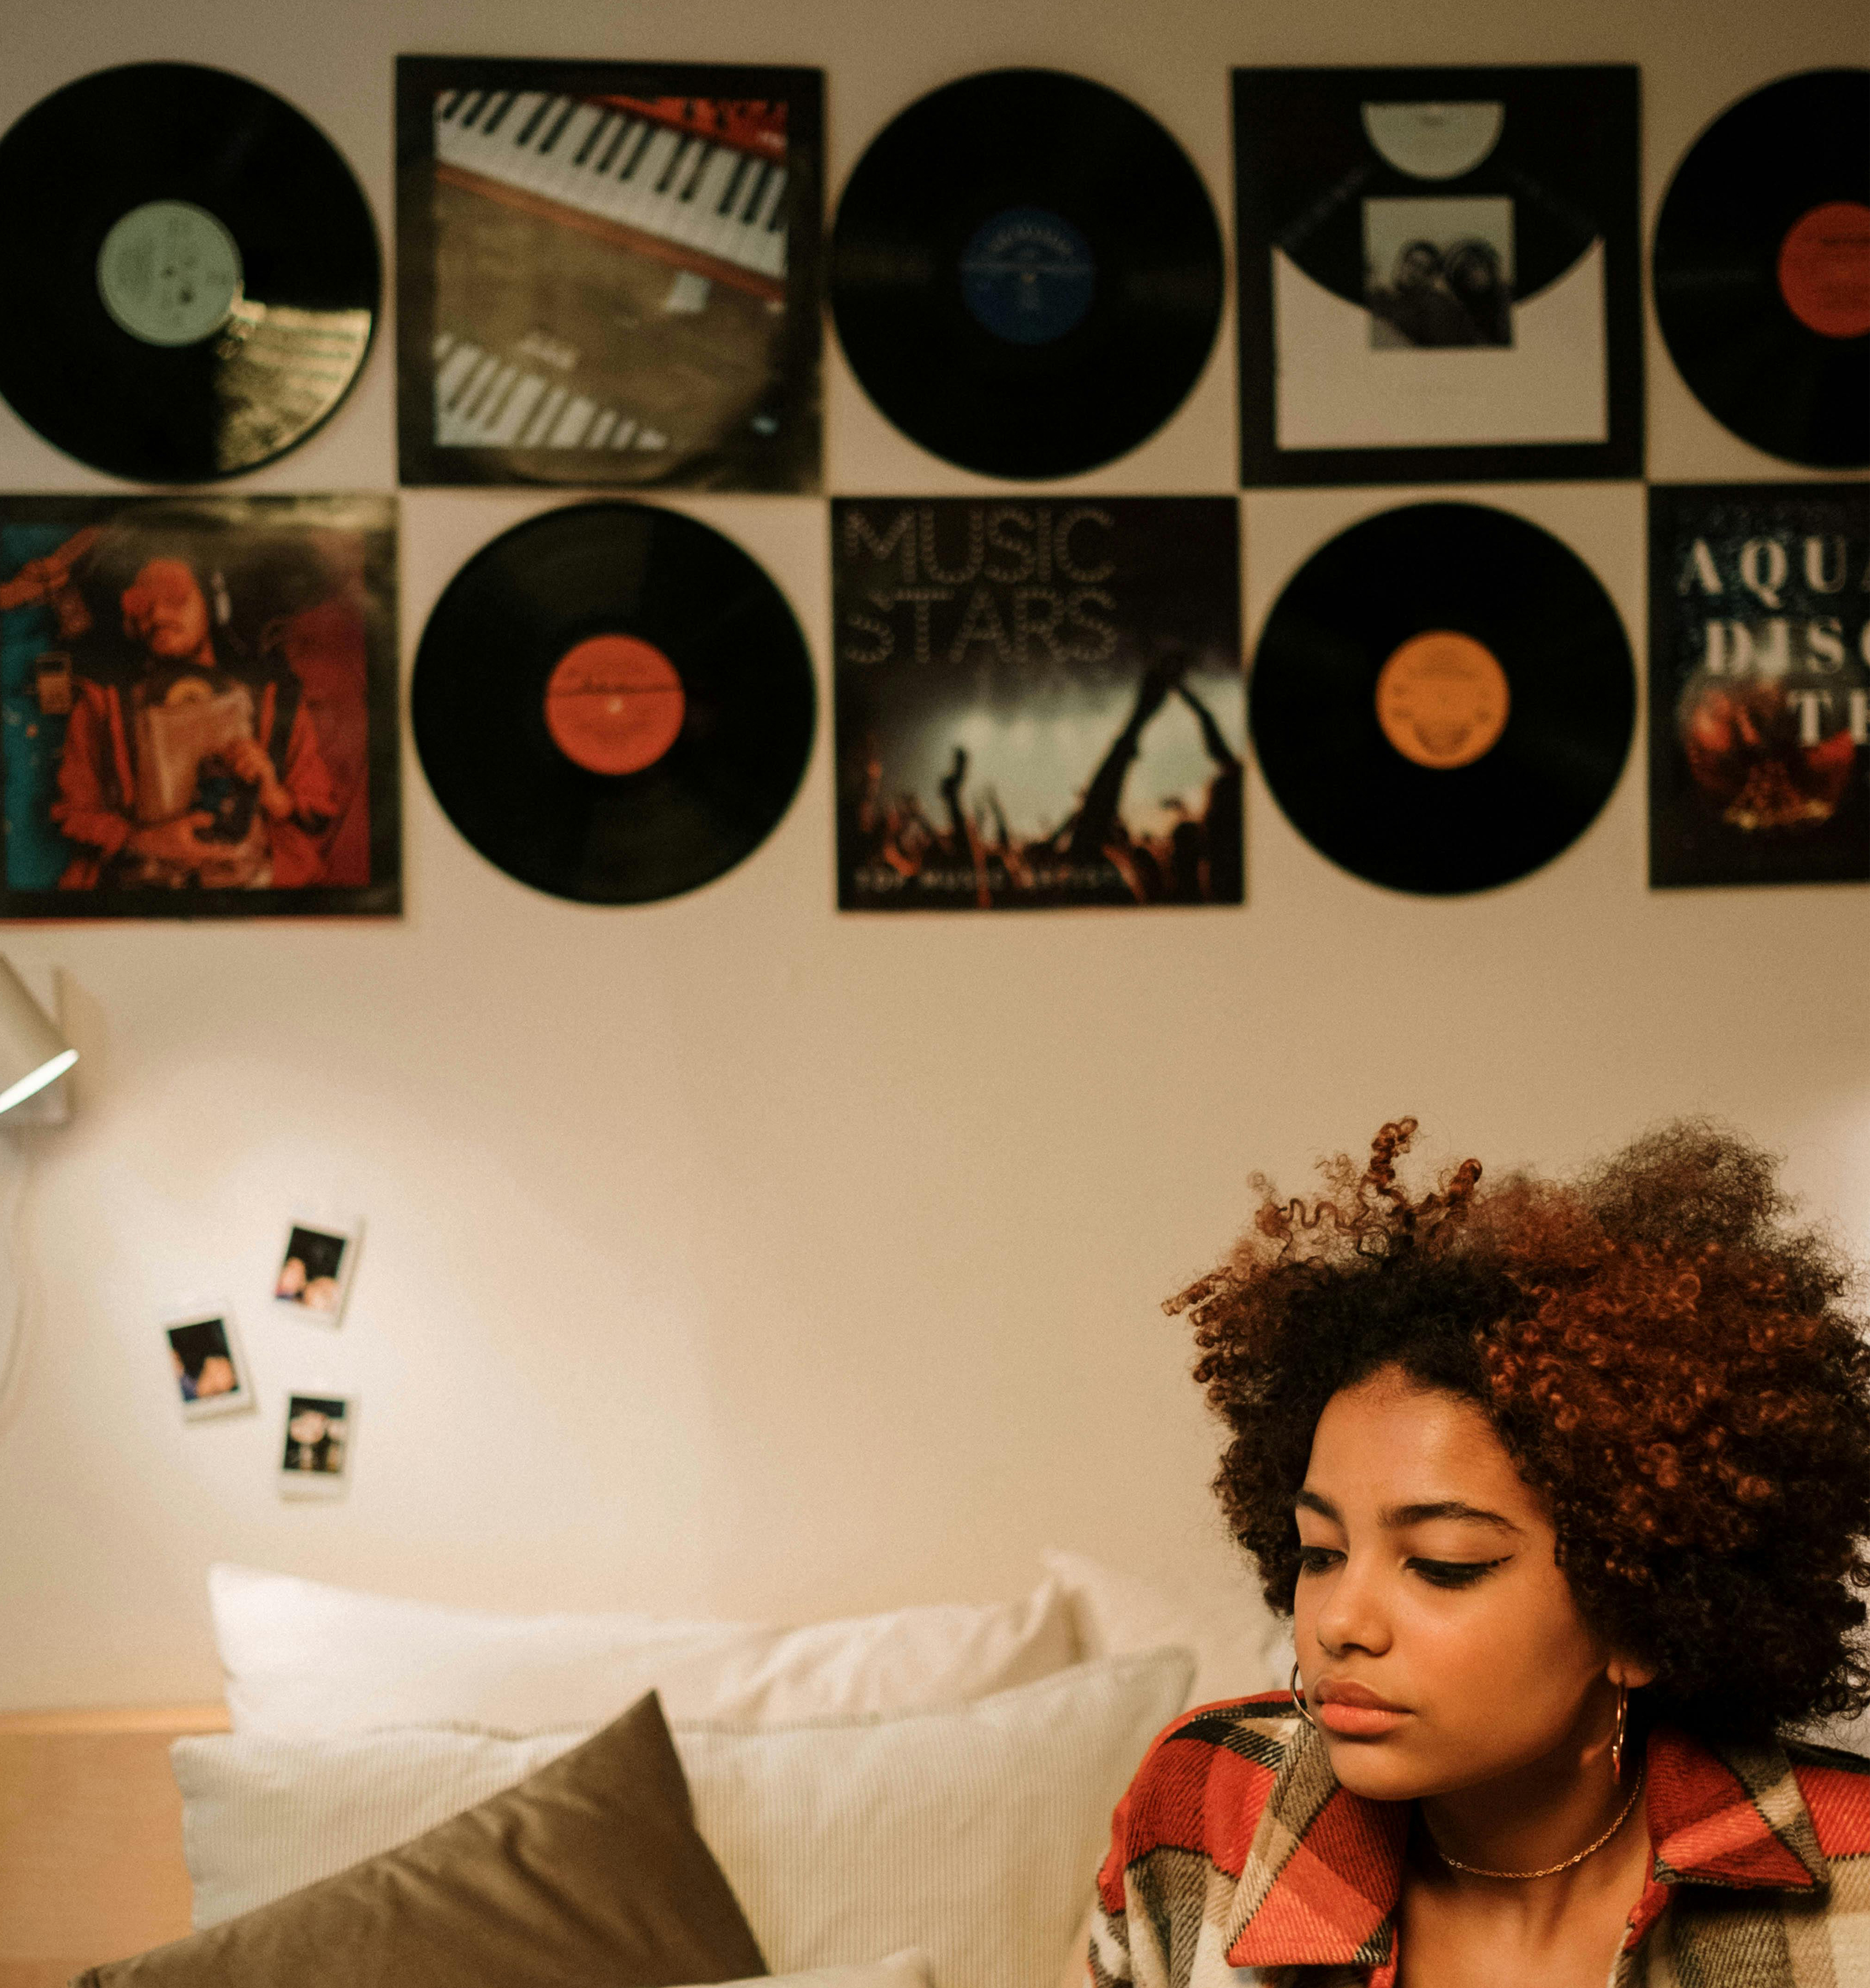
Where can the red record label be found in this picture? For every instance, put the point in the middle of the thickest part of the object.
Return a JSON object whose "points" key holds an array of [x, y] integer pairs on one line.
{"points": [[614, 704], [1824, 268]]}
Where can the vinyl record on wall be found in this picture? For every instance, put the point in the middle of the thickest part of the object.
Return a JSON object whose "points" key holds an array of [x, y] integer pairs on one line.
{"points": [[1026, 273], [1762, 268], [193, 274], [613, 703], [1442, 698]]}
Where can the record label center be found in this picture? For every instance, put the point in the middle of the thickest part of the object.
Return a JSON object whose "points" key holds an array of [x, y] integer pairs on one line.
{"points": [[1824, 268], [169, 272], [614, 704], [1028, 275], [1442, 699]]}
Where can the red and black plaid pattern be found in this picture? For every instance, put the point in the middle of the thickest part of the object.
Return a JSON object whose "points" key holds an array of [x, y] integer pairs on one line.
{"points": [[1237, 1859]]}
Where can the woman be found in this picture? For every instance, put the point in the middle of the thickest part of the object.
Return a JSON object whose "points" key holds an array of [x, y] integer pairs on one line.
{"points": [[1566, 1487]]}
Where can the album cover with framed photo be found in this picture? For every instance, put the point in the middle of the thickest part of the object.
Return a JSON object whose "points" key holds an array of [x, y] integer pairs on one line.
{"points": [[1439, 274], [608, 273], [200, 707]]}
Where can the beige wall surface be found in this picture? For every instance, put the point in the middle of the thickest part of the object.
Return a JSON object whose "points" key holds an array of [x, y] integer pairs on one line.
{"points": [[728, 1255]]}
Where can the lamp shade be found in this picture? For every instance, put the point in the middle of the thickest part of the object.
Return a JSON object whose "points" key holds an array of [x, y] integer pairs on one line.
{"points": [[33, 1052]]}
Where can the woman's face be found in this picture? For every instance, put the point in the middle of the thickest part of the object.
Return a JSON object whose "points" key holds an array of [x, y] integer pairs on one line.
{"points": [[1438, 1642]]}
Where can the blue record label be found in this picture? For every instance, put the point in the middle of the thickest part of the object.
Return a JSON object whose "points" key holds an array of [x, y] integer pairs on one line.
{"points": [[1028, 276]]}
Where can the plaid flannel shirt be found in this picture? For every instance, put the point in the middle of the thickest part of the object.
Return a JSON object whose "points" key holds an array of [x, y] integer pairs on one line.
{"points": [[1238, 1861]]}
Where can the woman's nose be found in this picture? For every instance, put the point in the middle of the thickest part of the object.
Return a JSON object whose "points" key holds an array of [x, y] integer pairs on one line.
{"points": [[1353, 1614]]}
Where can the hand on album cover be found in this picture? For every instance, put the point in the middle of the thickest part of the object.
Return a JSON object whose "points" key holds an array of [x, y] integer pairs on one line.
{"points": [[177, 841], [247, 760]]}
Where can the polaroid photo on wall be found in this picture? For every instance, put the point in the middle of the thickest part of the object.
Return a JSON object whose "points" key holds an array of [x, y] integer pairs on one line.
{"points": [[313, 1278], [210, 1370], [315, 1456]]}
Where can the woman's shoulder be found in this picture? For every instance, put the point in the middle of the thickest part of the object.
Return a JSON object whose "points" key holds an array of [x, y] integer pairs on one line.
{"points": [[1206, 1778], [1834, 1786]]}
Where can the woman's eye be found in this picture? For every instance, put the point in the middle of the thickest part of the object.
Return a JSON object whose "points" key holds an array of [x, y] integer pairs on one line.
{"points": [[1317, 1560], [1454, 1573]]}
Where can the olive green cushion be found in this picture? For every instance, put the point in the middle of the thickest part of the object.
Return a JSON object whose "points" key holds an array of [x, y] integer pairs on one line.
{"points": [[589, 1871]]}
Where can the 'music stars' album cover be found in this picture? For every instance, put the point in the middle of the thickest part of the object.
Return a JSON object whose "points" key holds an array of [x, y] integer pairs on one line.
{"points": [[609, 274], [1038, 703], [199, 697], [1759, 684]]}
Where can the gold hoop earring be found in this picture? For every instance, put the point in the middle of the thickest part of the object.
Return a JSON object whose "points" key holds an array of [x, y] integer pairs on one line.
{"points": [[1298, 1691], [1622, 1731]]}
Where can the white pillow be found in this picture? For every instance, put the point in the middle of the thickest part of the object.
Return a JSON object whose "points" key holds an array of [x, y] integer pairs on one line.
{"points": [[1240, 1646], [908, 1969], [973, 1831], [302, 1658]]}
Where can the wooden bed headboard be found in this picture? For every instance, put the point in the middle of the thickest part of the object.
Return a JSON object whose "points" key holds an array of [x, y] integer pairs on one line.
{"points": [[91, 1864]]}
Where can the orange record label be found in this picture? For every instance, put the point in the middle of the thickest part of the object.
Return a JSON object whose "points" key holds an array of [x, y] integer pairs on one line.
{"points": [[1824, 268], [614, 704], [1442, 699]]}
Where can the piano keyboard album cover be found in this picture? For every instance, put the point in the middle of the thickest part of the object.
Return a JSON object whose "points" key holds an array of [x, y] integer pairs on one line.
{"points": [[1039, 703], [1440, 275], [197, 706], [609, 274]]}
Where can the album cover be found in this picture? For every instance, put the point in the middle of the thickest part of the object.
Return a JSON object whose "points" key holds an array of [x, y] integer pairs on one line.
{"points": [[199, 699], [1439, 273], [609, 273], [1038, 704], [1759, 684]]}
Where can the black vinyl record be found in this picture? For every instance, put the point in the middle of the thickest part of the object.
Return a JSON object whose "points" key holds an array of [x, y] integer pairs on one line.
{"points": [[1762, 268], [195, 272], [1026, 273], [613, 703], [1442, 699]]}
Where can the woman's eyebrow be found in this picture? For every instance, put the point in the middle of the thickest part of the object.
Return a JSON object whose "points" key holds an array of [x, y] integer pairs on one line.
{"points": [[1397, 1516]]}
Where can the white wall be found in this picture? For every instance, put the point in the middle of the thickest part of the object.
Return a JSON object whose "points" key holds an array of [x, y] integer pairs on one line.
{"points": [[730, 1255]]}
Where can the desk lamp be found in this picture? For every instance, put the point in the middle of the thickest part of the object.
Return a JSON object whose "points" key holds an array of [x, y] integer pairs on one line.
{"points": [[33, 1052]]}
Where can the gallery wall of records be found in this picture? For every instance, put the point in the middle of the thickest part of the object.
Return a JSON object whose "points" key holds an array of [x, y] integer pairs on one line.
{"points": [[614, 283]]}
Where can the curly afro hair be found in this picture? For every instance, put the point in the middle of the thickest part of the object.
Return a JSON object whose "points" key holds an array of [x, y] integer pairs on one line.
{"points": [[1671, 1365]]}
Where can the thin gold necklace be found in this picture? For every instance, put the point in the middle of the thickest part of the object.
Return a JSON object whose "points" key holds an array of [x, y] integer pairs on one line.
{"points": [[1551, 1870]]}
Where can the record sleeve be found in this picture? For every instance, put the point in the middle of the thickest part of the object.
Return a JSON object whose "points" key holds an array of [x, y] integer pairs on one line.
{"points": [[201, 708], [1026, 273], [608, 273], [1039, 704], [1759, 684], [1442, 698], [1439, 274], [193, 277]]}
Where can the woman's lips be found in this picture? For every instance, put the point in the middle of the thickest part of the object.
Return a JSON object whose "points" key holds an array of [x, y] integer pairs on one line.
{"points": [[1355, 1709]]}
